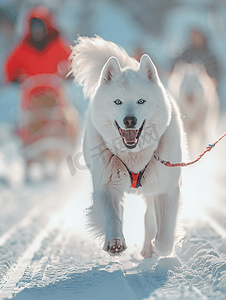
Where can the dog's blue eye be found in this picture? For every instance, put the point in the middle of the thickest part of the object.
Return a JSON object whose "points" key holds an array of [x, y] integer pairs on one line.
{"points": [[141, 101], [118, 102]]}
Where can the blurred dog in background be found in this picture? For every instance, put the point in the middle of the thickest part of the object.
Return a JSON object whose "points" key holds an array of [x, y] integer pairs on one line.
{"points": [[195, 92]]}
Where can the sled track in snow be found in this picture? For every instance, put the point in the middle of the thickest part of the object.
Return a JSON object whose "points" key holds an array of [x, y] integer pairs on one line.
{"points": [[47, 260], [42, 259], [46, 255]]}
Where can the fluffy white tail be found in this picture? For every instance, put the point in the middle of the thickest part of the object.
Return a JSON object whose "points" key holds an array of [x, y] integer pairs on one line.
{"points": [[89, 56]]}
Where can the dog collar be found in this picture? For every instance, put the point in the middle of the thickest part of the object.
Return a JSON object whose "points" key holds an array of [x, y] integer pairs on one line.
{"points": [[135, 178]]}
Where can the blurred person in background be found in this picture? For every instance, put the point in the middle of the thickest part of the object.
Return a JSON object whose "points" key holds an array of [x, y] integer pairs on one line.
{"points": [[39, 62], [199, 51], [42, 49]]}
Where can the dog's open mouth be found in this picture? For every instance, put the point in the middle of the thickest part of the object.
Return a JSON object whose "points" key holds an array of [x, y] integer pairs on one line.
{"points": [[130, 136]]}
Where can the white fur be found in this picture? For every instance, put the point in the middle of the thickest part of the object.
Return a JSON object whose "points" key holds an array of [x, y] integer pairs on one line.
{"points": [[200, 114], [107, 73]]}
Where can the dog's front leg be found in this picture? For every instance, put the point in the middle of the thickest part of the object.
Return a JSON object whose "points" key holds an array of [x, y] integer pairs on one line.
{"points": [[108, 203], [166, 209], [150, 228]]}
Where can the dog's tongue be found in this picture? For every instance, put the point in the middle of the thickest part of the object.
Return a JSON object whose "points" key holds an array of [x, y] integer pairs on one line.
{"points": [[129, 135]]}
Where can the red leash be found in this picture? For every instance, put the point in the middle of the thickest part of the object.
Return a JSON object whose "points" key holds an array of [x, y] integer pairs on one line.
{"points": [[208, 148]]}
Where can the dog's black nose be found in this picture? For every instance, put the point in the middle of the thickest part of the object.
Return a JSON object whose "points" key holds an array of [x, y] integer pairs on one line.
{"points": [[130, 122]]}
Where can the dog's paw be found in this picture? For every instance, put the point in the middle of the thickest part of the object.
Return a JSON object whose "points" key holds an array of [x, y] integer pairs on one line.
{"points": [[147, 251], [115, 246]]}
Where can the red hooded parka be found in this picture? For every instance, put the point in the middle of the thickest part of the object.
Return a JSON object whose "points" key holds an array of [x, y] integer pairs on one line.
{"points": [[27, 59]]}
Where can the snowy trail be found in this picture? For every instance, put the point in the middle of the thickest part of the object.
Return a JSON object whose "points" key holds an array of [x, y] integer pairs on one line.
{"points": [[47, 254]]}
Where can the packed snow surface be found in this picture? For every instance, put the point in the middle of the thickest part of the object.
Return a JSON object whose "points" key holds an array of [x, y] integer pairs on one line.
{"points": [[47, 253]]}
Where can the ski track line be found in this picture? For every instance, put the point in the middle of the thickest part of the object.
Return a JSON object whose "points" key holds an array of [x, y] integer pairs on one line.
{"points": [[17, 270], [39, 266], [25, 222]]}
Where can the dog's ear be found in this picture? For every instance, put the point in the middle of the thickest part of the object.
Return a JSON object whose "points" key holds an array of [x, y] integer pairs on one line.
{"points": [[110, 70], [148, 69]]}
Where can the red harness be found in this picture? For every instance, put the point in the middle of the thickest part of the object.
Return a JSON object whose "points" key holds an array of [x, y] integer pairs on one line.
{"points": [[135, 178]]}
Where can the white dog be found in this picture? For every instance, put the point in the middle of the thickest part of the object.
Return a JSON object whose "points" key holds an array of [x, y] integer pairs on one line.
{"points": [[131, 119], [196, 95]]}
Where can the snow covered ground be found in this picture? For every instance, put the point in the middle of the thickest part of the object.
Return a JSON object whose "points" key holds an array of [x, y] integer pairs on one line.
{"points": [[46, 252]]}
